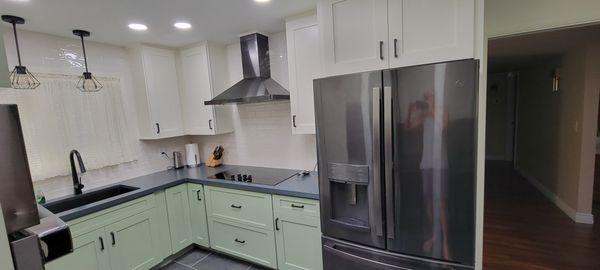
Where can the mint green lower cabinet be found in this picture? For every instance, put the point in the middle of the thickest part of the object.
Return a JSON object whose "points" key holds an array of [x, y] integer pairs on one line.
{"points": [[198, 215], [178, 209], [90, 253], [252, 244], [161, 226], [297, 233], [131, 243]]}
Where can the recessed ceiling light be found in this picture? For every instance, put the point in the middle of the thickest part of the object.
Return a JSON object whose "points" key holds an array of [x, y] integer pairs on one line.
{"points": [[138, 26], [262, 1], [182, 25]]}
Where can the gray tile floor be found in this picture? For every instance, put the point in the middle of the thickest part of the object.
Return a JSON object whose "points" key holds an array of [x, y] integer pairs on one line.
{"points": [[200, 259]]}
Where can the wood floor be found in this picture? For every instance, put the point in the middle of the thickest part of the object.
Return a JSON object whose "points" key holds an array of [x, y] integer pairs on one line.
{"points": [[524, 230]]}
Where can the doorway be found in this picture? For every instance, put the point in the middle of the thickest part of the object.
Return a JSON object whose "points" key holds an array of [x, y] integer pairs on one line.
{"points": [[541, 127]]}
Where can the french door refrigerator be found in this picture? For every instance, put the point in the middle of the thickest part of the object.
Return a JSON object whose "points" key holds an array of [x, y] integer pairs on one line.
{"points": [[396, 153]]}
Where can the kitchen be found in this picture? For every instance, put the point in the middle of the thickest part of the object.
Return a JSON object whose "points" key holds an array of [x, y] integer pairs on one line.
{"points": [[160, 106]]}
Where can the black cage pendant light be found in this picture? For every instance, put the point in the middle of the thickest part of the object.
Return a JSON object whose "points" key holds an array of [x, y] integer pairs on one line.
{"points": [[87, 82], [20, 77]]}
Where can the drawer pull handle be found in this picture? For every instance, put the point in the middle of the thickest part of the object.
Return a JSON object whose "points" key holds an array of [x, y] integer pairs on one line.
{"points": [[298, 206], [236, 206], [277, 224], [240, 241], [198, 195], [101, 243], [112, 235]]}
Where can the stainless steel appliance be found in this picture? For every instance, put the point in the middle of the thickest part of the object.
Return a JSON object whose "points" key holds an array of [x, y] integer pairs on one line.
{"points": [[16, 189], [396, 153], [256, 175], [257, 85], [36, 236], [178, 162]]}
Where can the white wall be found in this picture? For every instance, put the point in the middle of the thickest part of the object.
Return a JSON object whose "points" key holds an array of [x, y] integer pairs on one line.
{"points": [[263, 132], [43, 53]]}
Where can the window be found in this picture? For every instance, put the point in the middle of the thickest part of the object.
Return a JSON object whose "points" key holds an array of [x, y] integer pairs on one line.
{"points": [[56, 118]]}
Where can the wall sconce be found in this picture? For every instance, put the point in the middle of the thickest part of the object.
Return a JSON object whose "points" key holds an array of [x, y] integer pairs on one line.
{"points": [[556, 79]]}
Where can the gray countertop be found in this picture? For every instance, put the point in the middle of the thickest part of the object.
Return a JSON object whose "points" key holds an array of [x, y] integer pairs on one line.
{"points": [[302, 186]]}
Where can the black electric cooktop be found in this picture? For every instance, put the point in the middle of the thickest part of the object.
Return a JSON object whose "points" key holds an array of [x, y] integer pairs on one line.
{"points": [[256, 175]]}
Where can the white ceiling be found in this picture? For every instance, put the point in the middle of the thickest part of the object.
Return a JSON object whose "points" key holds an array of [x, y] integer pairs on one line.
{"points": [[216, 20]]}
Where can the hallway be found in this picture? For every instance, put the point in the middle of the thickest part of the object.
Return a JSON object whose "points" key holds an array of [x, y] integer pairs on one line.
{"points": [[524, 230]]}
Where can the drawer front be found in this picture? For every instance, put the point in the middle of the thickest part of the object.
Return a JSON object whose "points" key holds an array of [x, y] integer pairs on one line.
{"points": [[295, 207], [255, 245], [102, 218], [244, 207]]}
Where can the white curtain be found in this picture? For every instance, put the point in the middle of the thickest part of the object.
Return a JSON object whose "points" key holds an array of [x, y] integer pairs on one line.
{"points": [[56, 117]]}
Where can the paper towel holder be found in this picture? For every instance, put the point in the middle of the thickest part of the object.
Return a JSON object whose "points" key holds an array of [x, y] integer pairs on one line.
{"points": [[196, 162], [192, 155]]}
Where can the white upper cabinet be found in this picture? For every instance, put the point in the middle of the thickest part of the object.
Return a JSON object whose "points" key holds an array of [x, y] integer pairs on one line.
{"points": [[204, 75], [354, 35], [4, 82], [429, 31], [157, 93], [304, 65], [364, 35]]}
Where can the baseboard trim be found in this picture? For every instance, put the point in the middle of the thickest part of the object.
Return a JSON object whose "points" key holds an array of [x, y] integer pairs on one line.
{"points": [[584, 218], [578, 217]]}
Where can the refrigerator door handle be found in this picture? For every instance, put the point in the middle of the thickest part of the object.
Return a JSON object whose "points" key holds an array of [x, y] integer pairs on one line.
{"points": [[388, 165], [331, 247], [377, 208]]}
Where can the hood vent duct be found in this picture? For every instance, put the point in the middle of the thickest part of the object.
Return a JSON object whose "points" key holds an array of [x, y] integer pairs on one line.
{"points": [[257, 85]]}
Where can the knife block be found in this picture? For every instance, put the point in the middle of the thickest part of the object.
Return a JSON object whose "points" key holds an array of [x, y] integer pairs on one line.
{"points": [[212, 162]]}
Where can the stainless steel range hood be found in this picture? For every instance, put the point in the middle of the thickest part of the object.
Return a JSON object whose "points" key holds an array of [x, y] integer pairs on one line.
{"points": [[257, 85]]}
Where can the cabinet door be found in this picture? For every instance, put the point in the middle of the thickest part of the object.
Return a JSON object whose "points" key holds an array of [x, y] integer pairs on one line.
{"points": [[429, 31], [354, 35], [304, 64], [162, 91], [178, 209], [131, 242], [198, 215], [198, 118], [90, 253], [4, 81], [297, 233]]}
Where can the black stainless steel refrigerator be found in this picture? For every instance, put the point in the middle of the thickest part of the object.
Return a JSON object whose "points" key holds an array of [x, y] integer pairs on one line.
{"points": [[396, 151]]}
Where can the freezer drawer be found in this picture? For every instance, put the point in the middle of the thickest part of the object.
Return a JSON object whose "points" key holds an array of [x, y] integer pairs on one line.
{"points": [[344, 255]]}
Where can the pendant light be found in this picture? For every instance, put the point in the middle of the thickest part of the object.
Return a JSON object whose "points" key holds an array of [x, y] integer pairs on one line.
{"points": [[20, 77], [87, 82]]}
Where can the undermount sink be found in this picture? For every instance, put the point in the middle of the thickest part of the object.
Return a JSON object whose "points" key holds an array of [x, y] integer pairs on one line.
{"points": [[87, 198]]}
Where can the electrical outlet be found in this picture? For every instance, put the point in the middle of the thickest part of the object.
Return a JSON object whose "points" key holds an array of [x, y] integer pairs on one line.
{"points": [[576, 127]]}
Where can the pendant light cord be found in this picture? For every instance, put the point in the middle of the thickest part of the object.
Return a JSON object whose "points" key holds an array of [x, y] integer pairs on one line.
{"points": [[84, 55], [17, 43]]}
